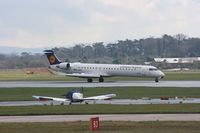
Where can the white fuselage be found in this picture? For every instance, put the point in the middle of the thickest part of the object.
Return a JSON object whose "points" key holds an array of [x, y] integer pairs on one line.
{"points": [[86, 70]]}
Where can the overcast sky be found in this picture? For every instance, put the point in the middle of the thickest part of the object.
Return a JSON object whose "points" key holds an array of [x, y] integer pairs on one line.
{"points": [[45, 23]]}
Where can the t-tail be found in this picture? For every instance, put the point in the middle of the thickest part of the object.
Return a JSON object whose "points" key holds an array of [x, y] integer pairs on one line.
{"points": [[52, 57]]}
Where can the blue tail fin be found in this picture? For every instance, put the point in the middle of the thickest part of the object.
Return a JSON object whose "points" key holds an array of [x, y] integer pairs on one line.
{"points": [[52, 57]]}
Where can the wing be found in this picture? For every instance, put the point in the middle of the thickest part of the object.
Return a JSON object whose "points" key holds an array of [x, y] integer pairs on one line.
{"points": [[44, 98], [83, 75], [100, 97]]}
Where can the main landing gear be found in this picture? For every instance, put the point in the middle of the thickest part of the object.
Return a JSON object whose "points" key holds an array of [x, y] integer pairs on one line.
{"points": [[89, 80], [101, 79]]}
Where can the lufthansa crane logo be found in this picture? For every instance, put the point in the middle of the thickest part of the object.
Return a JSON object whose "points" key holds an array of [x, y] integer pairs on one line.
{"points": [[52, 59]]}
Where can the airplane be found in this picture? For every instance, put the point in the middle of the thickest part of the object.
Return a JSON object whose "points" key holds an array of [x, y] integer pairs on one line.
{"points": [[91, 70], [74, 96]]}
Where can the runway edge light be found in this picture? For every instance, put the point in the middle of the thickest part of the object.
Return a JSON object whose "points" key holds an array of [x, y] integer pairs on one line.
{"points": [[94, 123]]}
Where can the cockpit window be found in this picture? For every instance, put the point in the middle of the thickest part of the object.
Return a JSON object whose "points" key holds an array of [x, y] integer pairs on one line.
{"points": [[153, 69]]}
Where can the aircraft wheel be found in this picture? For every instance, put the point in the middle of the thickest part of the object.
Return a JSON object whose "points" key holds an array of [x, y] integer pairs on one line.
{"points": [[156, 80], [101, 79], [89, 80]]}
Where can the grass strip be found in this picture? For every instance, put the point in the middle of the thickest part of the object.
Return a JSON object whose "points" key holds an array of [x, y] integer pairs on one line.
{"points": [[25, 94], [100, 109], [105, 127]]}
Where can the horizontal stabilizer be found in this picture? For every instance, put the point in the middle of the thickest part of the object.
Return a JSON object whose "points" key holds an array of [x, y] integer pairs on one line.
{"points": [[48, 51]]}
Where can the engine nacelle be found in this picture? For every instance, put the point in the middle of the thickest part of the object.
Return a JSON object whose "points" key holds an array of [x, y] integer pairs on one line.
{"points": [[64, 65]]}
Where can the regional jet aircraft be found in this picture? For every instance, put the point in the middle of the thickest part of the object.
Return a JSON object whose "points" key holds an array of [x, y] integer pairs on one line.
{"points": [[90, 71], [74, 96]]}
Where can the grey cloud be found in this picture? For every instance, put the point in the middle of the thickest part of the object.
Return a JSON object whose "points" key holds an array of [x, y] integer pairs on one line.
{"points": [[51, 22]]}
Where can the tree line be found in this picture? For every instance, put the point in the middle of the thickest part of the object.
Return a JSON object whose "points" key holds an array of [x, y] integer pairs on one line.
{"points": [[123, 51]]}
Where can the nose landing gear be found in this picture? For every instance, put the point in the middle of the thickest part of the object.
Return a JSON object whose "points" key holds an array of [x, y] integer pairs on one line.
{"points": [[156, 80]]}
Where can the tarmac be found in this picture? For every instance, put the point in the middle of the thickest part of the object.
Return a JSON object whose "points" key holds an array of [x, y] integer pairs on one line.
{"points": [[11, 84], [109, 117], [113, 101]]}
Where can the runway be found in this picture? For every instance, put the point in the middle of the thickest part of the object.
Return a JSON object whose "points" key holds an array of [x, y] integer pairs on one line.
{"points": [[11, 84], [111, 117], [114, 101]]}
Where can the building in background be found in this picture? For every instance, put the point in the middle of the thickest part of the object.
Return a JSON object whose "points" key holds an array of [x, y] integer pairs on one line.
{"points": [[181, 63], [177, 60]]}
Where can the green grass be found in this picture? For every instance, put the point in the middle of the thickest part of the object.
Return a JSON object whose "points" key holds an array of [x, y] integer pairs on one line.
{"points": [[100, 109], [10, 75], [182, 75], [20, 94], [105, 127], [20, 75]]}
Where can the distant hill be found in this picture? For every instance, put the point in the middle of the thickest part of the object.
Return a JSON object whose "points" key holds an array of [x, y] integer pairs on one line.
{"points": [[18, 50]]}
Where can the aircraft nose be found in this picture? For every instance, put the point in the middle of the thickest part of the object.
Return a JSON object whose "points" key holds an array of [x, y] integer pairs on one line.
{"points": [[162, 75]]}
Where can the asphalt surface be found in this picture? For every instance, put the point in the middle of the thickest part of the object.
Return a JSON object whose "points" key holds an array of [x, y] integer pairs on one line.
{"points": [[112, 117], [114, 101], [11, 84]]}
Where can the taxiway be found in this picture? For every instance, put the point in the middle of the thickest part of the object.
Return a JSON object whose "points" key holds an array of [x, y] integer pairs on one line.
{"points": [[111, 117], [114, 101]]}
